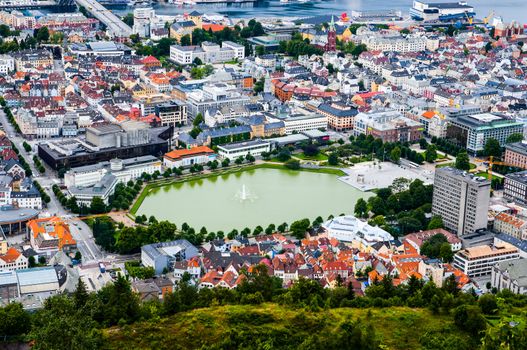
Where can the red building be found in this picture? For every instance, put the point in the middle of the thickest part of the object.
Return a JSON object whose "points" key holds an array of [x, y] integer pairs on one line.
{"points": [[332, 37]]}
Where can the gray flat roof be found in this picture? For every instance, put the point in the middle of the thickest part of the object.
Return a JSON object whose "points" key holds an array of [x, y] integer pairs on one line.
{"points": [[37, 275], [11, 214], [256, 142]]}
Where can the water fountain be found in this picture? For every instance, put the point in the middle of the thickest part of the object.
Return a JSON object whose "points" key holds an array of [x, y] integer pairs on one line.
{"points": [[244, 195]]}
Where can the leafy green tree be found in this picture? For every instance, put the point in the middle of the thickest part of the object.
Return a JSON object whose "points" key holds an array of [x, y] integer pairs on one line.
{"points": [[462, 161], [492, 148], [42, 34], [376, 206], [470, 319], [516, 137], [298, 228], [361, 208], [333, 159], [14, 320], [431, 153], [435, 223], [488, 304], [292, 164], [395, 155], [185, 40], [61, 325], [97, 206], [445, 252]]}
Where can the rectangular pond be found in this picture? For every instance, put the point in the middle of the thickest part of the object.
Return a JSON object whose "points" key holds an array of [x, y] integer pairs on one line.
{"points": [[250, 198]]}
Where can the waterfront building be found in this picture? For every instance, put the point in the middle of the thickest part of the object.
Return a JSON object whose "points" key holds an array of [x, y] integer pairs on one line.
{"points": [[440, 10], [234, 150], [123, 169], [102, 189], [472, 132], [461, 199], [349, 228], [478, 261], [143, 17], [510, 275], [188, 157], [106, 142]]}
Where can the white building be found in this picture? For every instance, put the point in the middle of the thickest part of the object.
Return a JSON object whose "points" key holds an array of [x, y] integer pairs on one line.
{"points": [[349, 228], [397, 44], [479, 260], [511, 275], [207, 53], [234, 150], [305, 122], [123, 169], [143, 16], [188, 157], [7, 64]]}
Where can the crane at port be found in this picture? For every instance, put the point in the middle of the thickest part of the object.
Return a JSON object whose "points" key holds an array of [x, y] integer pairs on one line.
{"points": [[487, 19], [470, 20]]}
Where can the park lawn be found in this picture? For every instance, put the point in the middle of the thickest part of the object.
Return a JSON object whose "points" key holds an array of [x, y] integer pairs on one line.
{"points": [[395, 327], [486, 175], [318, 157], [472, 165]]}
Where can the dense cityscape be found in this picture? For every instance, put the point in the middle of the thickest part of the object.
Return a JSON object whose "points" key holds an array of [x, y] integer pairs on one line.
{"points": [[195, 180]]}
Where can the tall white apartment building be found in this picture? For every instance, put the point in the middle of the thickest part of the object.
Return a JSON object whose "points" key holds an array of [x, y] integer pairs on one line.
{"points": [[461, 199]]}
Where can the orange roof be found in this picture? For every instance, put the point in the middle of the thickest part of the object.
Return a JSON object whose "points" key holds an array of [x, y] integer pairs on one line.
{"points": [[429, 114], [213, 27], [61, 230], [182, 153], [11, 255], [150, 59]]}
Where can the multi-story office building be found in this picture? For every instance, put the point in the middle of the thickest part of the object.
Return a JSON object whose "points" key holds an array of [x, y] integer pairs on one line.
{"points": [[234, 150], [207, 53], [461, 199], [142, 19], [516, 154], [124, 169], [472, 132], [397, 44], [172, 113], [214, 96], [515, 187], [479, 260], [340, 116], [388, 125]]}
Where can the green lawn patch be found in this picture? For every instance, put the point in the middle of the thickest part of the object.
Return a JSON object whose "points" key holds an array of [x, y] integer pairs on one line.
{"points": [[472, 165], [318, 157]]}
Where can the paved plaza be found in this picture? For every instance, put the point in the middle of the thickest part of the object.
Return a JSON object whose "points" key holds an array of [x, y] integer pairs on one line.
{"points": [[371, 175]]}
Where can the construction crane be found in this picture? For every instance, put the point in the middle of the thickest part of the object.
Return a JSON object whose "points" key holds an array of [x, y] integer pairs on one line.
{"points": [[490, 163]]}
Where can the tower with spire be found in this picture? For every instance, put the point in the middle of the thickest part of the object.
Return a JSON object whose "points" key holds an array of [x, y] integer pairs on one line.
{"points": [[332, 37]]}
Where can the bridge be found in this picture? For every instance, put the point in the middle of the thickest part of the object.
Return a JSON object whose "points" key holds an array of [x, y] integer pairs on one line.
{"points": [[116, 27]]}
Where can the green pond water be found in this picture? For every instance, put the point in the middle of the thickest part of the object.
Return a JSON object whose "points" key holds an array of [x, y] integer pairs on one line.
{"points": [[250, 198]]}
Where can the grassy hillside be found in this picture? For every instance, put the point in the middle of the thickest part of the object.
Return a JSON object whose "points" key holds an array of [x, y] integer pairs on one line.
{"points": [[270, 326]]}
